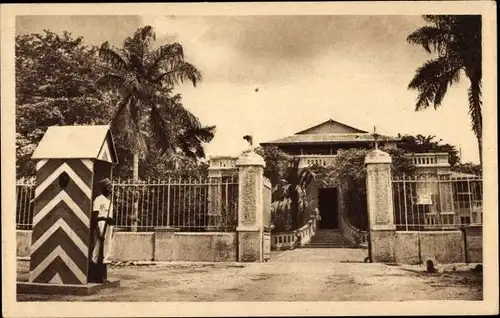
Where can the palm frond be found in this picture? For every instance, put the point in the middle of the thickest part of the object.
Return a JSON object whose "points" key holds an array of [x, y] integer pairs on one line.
{"points": [[170, 53], [181, 72], [147, 33], [191, 141], [120, 108], [128, 129], [432, 39], [432, 80], [200, 134], [178, 113], [113, 58], [446, 80], [475, 105], [162, 134], [432, 70], [137, 48], [306, 176], [111, 80], [441, 21]]}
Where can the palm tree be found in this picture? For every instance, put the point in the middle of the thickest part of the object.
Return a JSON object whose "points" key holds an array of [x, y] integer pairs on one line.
{"points": [[289, 195], [148, 113], [456, 39]]}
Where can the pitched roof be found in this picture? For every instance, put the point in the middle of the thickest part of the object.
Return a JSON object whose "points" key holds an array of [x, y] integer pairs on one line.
{"points": [[329, 138], [86, 142], [330, 126]]}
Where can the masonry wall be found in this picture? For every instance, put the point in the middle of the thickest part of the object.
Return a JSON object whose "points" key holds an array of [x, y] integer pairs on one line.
{"points": [[413, 247], [144, 246], [23, 243]]}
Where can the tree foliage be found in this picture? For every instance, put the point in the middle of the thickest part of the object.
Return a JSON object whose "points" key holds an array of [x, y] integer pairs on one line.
{"points": [[55, 85], [348, 167], [456, 40], [423, 144], [469, 168], [277, 162], [60, 81], [348, 172], [289, 187], [150, 115]]}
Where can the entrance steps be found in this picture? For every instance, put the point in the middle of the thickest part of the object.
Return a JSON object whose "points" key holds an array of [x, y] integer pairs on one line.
{"points": [[329, 239]]}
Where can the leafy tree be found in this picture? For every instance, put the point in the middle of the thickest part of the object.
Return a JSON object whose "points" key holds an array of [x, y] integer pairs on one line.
{"points": [[456, 39], [289, 195], [277, 162], [162, 167], [149, 113], [420, 144], [348, 172], [469, 168], [289, 184], [55, 85]]}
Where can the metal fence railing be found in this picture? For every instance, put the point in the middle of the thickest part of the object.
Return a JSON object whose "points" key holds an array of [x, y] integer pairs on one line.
{"points": [[437, 203], [25, 193], [188, 204], [266, 200]]}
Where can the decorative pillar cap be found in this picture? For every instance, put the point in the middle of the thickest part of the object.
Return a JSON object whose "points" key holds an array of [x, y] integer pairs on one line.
{"points": [[378, 156], [250, 158]]}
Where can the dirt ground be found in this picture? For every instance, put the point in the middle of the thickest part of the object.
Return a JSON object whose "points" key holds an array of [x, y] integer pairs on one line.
{"points": [[297, 275]]}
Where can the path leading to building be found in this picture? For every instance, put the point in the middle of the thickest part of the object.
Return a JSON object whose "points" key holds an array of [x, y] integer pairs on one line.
{"points": [[299, 275]]}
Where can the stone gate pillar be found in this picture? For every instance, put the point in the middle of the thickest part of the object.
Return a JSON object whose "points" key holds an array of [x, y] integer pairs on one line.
{"points": [[380, 206], [250, 207]]}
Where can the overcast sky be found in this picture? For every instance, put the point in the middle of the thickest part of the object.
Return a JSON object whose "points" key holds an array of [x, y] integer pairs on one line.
{"points": [[308, 69]]}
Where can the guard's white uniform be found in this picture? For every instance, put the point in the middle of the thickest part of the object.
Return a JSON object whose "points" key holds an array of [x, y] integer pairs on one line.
{"points": [[101, 204]]}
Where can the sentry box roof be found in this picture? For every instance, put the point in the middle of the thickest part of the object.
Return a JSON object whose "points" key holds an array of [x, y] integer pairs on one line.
{"points": [[85, 142]]}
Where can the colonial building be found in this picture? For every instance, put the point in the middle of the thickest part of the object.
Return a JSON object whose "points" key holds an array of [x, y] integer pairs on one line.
{"points": [[319, 145]]}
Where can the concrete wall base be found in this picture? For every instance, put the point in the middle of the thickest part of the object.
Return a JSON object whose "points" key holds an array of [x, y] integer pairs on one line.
{"points": [[204, 247], [445, 247], [133, 246], [164, 245], [382, 244], [249, 246], [23, 243], [474, 235]]}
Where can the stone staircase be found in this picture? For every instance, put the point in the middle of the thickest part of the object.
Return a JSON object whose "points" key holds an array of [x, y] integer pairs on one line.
{"points": [[329, 239]]}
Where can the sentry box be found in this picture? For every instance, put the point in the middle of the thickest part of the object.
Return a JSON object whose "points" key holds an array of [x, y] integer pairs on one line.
{"points": [[71, 160]]}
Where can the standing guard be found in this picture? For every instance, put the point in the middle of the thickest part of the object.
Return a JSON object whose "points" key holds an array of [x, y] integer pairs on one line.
{"points": [[102, 222]]}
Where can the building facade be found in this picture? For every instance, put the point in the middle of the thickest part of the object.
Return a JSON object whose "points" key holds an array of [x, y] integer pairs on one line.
{"points": [[320, 144]]}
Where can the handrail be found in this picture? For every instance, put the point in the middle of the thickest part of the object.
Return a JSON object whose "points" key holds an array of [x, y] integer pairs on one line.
{"points": [[292, 239], [352, 233]]}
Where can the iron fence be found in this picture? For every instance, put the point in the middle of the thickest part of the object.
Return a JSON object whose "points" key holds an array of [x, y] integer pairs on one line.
{"points": [[25, 193], [437, 203], [267, 198], [188, 204]]}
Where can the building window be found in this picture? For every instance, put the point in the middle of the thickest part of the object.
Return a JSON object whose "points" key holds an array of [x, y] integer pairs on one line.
{"points": [[465, 220]]}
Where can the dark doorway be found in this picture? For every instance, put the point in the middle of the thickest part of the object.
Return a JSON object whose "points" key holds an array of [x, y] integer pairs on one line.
{"points": [[327, 205]]}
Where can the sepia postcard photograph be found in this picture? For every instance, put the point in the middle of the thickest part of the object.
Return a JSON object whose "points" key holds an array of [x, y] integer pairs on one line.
{"points": [[249, 159]]}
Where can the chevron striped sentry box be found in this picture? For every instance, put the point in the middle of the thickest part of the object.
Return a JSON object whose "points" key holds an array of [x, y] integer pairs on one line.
{"points": [[70, 162]]}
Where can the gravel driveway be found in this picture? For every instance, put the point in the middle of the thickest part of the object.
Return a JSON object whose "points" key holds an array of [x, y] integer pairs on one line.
{"points": [[298, 275]]}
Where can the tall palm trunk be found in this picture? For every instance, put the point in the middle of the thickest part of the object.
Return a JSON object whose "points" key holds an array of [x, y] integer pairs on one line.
{"points": [[480, 146], [136, 199], [294, 198], [475, 110]]}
